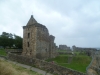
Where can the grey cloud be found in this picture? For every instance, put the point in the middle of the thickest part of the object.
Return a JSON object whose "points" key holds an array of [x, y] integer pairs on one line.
{"points": [[72, 22]]}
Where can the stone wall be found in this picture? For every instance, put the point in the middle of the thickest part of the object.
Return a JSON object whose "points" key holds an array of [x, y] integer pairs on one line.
{"points": [[83, 49], [64, 47], [94, 66], [49, 67], [69, 52], [16, 51], [13, 50], [88, 51]]}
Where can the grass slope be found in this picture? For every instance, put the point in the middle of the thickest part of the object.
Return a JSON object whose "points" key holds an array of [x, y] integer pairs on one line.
{"points": [[79, 62], [7, 68], [2, 52]]}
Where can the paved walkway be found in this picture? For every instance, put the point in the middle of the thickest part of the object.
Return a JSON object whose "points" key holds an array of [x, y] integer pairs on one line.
{"points": [[29, 67]]}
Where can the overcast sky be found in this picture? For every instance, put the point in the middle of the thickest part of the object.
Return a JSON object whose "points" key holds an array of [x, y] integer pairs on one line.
{"points": [[72, 22]]}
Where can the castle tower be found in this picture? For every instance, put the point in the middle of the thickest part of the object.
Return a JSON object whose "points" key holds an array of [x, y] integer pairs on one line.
{"points": [[36, 40], [29, 41]]}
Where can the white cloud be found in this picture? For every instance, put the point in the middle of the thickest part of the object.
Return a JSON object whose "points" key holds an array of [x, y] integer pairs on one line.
{"points": [[72, 22]]}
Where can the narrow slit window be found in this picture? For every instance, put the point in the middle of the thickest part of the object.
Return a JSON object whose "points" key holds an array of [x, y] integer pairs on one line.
{"points": [[28, 35], [28, 44]]}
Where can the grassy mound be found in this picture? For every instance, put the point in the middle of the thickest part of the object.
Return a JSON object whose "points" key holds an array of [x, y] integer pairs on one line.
{"points": [[79, 62], [7, 68]]}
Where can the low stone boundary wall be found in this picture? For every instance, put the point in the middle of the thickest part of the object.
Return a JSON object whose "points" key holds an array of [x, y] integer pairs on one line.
{"points": [[65, 53], [49, 67], [16, 51], [94, 65], [5, 57], [96, 69], [13, 50]]}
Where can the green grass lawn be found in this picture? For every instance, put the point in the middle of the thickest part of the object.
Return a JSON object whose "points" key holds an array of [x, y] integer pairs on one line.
{"points": [[79, 62], [2, 52]]}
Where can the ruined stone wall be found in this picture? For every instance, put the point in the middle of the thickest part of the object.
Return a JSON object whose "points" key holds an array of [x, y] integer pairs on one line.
{"points": [[13, 50], [42, 45], [46, 48], [49, 67], [70, 53], [55, 50], [16, 51], [94, 66], [88, 51], [64, 47], [42, 49], [51, 45], [83, 49]]}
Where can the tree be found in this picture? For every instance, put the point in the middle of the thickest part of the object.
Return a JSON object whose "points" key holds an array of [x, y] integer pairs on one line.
{"points": [[17, 41], [9, 40], [6, 39]]}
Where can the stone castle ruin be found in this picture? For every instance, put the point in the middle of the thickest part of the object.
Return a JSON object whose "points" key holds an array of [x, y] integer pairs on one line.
{"points": [[83, 49], [88, 51], [64, 47], [37, 42]]}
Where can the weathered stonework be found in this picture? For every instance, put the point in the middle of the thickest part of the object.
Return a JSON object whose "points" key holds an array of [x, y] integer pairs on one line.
{"points": [[88, 51], [64, 47], [37, 42], [47, 66], [94, 66]]}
